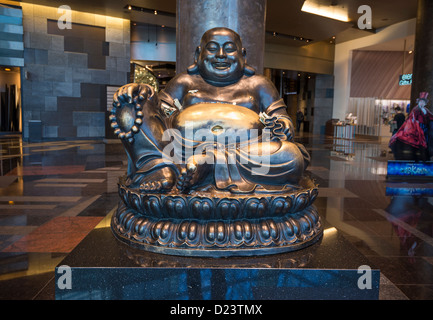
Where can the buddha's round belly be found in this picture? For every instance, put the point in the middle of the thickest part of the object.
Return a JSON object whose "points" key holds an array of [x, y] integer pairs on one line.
{"points": [[213, 120]]}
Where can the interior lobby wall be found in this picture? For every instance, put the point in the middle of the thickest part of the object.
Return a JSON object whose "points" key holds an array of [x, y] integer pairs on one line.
{"points": [[11, 35], [153, 43], [315, 58], [66, 71], [343, 60], [376, 74]]}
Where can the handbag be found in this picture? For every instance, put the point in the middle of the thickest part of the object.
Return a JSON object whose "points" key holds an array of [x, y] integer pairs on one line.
{"points": [[410, 133]]}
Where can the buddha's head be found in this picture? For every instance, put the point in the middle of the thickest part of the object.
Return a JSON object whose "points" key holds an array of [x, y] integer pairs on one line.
{"points": [[423, 99], [220, 59]]}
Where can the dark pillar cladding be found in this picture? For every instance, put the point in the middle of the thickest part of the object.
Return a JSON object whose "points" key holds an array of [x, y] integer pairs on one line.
{"points": [[423, 59], [246, 17]]}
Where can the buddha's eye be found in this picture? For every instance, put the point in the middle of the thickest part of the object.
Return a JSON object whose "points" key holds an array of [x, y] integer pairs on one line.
{"points": [[212, 47], [230, 47]]}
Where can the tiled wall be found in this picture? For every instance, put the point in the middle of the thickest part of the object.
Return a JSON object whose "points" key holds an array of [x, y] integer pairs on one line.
{"points": [[323, 101], [66, 71], [11, 36]]}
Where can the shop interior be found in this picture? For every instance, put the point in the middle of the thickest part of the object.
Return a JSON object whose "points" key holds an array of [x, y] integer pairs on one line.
{"points": [[380, 82], [10, 105]]}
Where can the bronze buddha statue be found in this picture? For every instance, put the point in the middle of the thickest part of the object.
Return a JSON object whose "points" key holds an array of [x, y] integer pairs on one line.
{"points": [[212, 161]]}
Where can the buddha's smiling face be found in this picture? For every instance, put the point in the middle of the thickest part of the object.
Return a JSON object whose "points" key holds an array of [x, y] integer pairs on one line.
{"points": [[221, 58]]}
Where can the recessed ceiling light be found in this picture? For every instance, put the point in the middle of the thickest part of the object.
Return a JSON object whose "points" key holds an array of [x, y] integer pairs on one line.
{"points": [[335, 12]]}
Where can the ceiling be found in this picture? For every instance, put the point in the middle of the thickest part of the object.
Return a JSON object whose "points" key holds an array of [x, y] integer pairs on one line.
{"points": [[282, 16], [287, 17]]}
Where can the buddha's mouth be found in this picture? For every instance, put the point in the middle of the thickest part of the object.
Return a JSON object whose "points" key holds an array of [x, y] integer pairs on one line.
{"points": [[221, 65]]}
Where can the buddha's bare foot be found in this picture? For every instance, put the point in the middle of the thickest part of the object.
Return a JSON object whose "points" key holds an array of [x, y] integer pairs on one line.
{"points": [[188, 176], [196, 170], [159, 181]]}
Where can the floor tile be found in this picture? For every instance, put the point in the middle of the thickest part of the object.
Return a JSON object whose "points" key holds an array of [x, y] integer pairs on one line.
{"points": [[26, 288], [417, 292], [61, 234], [46, 170]]}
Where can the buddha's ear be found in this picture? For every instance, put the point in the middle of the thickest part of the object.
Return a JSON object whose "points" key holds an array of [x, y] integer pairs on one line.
{"points": [[197, 53], [193, 69]]}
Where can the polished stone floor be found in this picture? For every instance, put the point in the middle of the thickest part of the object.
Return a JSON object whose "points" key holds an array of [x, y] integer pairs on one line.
{"points": [[52, 194]]}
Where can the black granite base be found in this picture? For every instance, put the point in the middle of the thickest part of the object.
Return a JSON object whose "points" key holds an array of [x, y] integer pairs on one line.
{"points": [[101, 267]]}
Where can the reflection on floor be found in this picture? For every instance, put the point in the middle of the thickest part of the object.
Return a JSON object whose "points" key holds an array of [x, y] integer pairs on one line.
{"points": [[52, 194]]}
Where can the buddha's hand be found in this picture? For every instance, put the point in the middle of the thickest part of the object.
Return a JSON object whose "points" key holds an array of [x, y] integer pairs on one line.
{"points": [[167, 109], [286, 127], [126, 116], [280, 128], [132, 93]]}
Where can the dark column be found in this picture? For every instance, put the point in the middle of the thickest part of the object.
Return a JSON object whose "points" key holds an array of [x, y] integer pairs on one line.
{"points": [[246, 17], [423, 59]]}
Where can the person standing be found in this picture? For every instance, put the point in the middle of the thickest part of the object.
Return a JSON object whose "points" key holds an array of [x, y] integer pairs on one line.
{"points": [[299, 120], [399, 118]]}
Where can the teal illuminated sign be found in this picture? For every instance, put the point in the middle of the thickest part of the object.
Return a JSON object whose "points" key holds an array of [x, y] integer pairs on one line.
{"points": [[405, 79]]}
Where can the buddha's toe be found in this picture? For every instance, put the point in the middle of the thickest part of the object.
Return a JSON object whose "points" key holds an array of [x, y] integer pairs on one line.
{"points": [[185, 180], [160, 181]]}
